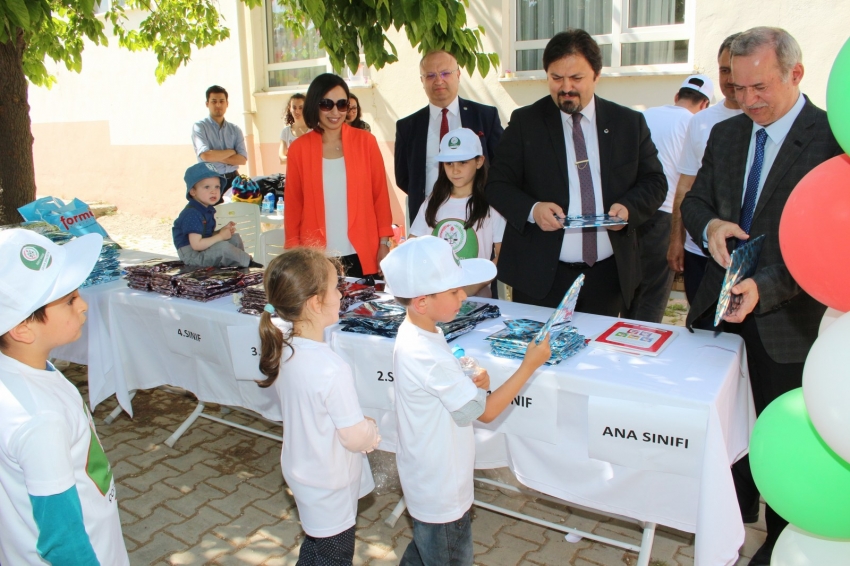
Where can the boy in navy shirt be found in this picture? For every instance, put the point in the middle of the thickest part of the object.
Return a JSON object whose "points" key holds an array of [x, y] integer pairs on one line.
{"points": [[195, 237]]}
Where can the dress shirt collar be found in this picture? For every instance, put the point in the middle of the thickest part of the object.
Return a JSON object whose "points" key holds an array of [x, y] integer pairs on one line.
{"points": [[589, 113], [201, 207], [214, 123], [779, 129], [454, 109]]}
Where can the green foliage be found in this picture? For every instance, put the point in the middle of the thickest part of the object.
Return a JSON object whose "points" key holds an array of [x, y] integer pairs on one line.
{"points": [[58, 29]]}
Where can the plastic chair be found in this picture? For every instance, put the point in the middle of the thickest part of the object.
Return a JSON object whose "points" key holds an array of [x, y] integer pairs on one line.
{"points": [[247, 219], [271, 245]]}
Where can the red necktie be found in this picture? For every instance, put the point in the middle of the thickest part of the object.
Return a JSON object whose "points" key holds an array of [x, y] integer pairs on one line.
{"points": [[444, 125]]}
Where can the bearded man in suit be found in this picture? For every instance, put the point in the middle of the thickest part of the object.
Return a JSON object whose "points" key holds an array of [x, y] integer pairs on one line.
{"points": [[573, 153]]}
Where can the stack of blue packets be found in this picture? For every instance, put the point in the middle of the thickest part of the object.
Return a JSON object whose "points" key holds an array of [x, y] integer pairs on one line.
{"points": [[382, 318], [514, 339]]}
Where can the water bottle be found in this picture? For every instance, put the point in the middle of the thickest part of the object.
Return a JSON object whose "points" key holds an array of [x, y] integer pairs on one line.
{"points": [[468, 364], [280, 207], [268, 203]]}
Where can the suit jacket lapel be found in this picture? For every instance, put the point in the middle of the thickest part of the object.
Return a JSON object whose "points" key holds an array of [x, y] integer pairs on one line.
{"points": [[738, 168], [420, 140], [555, 124], [603, 135], [799, 136]]}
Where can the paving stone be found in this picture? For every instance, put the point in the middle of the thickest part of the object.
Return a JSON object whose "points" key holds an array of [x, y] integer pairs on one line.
{"points": [[620, 530], [187, 481], [527, 531], [606, 554], [271, 482], [185, 461], [142, 530], [193, 499], [159, 547], [144, 480], [485, 525], [556, 550], [285, 534], [209, 548], [234, 503], [240, 528], [752, 542], [121, 451], [280, 504], [192, 529], [123, 469], [142, 506], [508, 551]]}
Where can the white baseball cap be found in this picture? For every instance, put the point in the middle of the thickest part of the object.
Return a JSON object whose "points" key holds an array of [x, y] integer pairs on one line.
{"points": [[37, 272], [427, 265], [701, 84], [459, 145]]}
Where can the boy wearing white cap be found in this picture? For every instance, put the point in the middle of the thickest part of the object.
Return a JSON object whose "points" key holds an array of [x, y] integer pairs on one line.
{"points": [[436, 403], [57, 493], [668, 126]]}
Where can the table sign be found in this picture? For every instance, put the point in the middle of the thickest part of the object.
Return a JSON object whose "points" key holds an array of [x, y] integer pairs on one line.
{"points": [[646, 436], [245, 352], [189, 335], [371, 361]]}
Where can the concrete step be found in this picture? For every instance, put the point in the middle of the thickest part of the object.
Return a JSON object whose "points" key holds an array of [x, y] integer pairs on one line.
{"points": [[102, 209]]}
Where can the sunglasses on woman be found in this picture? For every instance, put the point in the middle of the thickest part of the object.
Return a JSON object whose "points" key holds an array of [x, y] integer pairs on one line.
{"points": [[326, 104]]}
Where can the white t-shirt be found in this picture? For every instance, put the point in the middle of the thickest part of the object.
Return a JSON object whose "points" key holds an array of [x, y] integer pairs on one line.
{"points": [[335, 189], [318, 397], [467, 243], [695, 142], [435, 456], [668, 126], [288, 135], [47, 446]]}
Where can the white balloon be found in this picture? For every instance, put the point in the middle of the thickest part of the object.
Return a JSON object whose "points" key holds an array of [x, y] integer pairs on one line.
{"points": [[826, 385], [796, 547], [830, 316]]}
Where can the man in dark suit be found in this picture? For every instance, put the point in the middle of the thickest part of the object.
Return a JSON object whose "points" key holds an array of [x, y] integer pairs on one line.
{"points": [[417, 137], [752, 162], [574, 153]]}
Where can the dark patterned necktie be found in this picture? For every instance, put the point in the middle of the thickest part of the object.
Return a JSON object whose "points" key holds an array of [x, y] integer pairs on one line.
{"points": [[588, 198], [444, 124], [750, 195]]}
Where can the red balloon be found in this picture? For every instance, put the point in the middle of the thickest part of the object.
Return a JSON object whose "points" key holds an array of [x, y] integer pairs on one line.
{"points": [[814, 233]]}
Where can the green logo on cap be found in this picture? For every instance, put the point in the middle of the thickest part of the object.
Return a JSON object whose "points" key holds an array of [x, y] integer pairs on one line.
{"points": [[454, 143], [35, 257]]}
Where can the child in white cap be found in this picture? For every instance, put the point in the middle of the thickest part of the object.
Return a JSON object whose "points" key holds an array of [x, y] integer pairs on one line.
{"points": [[436, 403], [57, 493], [457, 210]]}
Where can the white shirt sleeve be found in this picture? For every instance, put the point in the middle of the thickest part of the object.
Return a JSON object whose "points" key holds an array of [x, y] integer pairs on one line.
{"points": [[498, 225], [43, 451], [690, 159], [419, 226], [341, 401], [449, 384]]}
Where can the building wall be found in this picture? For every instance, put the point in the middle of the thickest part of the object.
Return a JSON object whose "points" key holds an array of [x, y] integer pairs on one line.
{"points": [[90, 127]]}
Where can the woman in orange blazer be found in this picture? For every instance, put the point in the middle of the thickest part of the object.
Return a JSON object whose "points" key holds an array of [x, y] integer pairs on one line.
{"points": [[336, 195]]}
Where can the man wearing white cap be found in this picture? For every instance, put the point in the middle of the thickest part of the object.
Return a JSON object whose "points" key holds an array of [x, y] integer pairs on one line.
{"points": [[57, 492], [668, 126], [435, 401]]}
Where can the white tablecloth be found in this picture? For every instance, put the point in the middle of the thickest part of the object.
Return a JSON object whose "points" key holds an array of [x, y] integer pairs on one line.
{"points": [[157, 340]]}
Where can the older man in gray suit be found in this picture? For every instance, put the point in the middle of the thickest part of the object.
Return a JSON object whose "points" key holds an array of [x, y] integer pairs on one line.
{"points": [[751, 164]]}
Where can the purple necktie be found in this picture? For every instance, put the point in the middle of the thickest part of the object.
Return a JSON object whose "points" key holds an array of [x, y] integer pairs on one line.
{"points": [[588, 199]]}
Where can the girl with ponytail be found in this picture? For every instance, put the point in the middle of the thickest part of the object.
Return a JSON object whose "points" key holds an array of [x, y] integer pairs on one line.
{"points": [[325, 435]]}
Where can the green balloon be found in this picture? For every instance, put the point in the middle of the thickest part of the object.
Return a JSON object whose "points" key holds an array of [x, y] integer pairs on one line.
{"points": [[838, 98], [797, 473]]}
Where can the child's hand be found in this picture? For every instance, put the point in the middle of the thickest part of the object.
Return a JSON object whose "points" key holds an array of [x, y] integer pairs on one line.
{"points": [[481, 379], [377, 435], [227, 231], [537, 354]]}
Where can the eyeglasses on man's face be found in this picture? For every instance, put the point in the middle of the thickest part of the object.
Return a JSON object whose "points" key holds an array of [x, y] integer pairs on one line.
{"points": [[444, 75], [326, 104]]}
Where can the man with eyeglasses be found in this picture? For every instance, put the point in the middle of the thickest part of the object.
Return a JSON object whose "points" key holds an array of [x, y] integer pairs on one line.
{"points": [[217, 141], [417, 138]]}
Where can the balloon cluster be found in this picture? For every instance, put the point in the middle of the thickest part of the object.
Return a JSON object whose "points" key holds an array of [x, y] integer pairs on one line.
{"points": [[800, 447]]}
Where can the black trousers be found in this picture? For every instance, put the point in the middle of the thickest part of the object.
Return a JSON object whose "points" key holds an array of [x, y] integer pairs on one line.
{"points": [[601, 293], [651, 296], [768, 380], [351, 265]]}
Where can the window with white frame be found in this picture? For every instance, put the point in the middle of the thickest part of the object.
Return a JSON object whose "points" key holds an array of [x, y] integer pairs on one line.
{"points": [[634, 35], [296, 61]]}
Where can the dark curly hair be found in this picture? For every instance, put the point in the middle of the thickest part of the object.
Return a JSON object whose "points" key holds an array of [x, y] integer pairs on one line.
{"points": [[288, 118]]}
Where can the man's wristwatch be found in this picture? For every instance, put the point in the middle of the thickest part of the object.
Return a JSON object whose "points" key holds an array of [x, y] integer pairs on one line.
{"points": [[385, 242]]}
